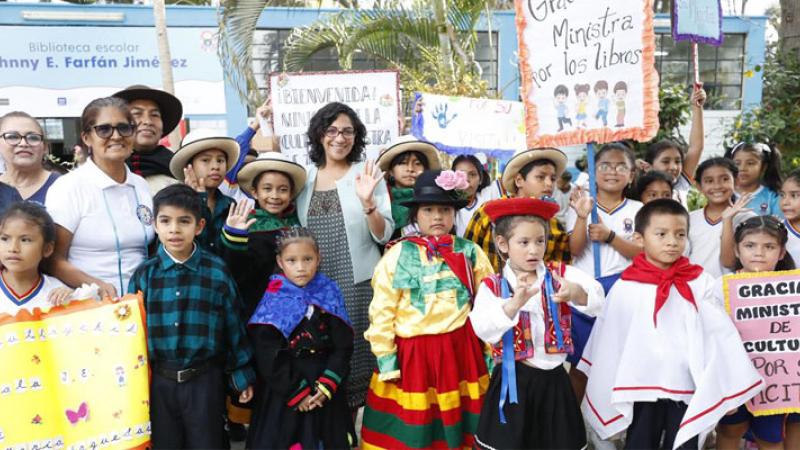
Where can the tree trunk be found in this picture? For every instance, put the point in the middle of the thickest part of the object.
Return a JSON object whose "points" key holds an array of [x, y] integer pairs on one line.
{"points": [[445, 47], [789, 30], [165, 60]]}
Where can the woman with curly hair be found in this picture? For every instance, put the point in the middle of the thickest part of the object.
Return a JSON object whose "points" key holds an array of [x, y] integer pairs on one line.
{"points": [[346, 205]]}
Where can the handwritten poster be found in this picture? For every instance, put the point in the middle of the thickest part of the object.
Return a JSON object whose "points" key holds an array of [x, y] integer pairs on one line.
{"points": [[697, 21], [75, 377], [587, 71], [459, 125], [765, 308], [374, 95]]}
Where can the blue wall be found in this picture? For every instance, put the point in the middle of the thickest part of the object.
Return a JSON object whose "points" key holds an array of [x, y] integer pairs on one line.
{"points": [[501, 22]]}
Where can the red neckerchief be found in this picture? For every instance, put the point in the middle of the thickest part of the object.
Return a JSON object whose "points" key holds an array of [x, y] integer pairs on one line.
{"points": [[443, 246], [680, 274]]}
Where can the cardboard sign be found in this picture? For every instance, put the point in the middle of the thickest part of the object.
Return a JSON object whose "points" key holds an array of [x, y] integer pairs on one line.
{"points": [[587, 71], [296, 97], [765, 307], [75, 377], [459, 125], [697, 21]]}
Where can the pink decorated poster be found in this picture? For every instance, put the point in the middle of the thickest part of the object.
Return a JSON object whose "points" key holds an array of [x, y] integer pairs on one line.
{"points": [[766, 310]]}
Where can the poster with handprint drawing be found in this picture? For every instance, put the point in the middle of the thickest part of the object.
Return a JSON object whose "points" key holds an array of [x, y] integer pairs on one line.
{"points": [[459, 125], [587, 71]]}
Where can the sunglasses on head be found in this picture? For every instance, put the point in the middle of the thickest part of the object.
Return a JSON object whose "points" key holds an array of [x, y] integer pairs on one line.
{"points": [[106, 130]]}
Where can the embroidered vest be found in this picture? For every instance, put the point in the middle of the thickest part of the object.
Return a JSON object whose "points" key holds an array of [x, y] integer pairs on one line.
{"points": [[523, 337]]}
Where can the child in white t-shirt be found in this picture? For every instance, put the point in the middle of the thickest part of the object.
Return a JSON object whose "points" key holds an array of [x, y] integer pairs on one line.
{"points": [[790, 206], [27, 236]]}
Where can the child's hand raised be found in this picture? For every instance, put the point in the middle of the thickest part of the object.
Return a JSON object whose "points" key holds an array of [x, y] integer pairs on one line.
{"points": [[736, 208], [698, 96], [191, 180], [569, 291], [237, 215], [246, 395], [582, 204]]}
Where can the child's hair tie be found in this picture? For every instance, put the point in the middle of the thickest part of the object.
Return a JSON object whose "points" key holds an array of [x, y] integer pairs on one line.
{"points": [[759, 147]]}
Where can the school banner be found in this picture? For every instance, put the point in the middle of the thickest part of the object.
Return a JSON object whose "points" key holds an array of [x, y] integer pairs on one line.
{"points": [[697, 21], [75, 377], [459, 125], [373, 94], [587, 70], [766, 310]]}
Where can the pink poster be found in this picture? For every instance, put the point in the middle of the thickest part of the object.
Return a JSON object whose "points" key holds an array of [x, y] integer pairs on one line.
{"points": [[766, 310]]}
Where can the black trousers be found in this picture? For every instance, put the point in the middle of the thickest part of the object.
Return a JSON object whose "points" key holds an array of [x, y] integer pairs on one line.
{"points": [[189, 415], [654, 420]]}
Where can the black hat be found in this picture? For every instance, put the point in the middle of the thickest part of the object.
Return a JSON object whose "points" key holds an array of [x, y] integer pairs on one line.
{"points": [[170, 107], [428, 191]]}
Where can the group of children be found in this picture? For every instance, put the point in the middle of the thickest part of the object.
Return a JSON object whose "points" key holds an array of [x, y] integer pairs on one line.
{"points": [[470, 333]]}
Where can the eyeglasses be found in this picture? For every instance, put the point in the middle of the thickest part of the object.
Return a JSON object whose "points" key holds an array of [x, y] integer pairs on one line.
{"points": [[106, 130], [619, 168], [14, 138], [333, 132]]}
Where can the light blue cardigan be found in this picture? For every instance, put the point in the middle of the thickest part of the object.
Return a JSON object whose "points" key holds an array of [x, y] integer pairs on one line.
{"points": [[361, 242]]}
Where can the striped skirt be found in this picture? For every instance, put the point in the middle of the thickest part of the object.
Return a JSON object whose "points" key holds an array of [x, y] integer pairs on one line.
{"points": [[437, 401]]}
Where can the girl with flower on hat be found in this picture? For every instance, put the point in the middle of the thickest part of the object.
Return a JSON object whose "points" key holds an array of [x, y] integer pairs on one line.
{"points": [[523, 313], [431, 378]]}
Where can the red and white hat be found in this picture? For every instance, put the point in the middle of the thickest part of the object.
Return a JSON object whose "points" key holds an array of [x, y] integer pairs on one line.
{"points": [[523, 206]]}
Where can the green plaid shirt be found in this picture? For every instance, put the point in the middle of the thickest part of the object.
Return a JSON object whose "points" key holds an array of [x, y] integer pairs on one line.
{"points": [[193, 314], [480, 231]]}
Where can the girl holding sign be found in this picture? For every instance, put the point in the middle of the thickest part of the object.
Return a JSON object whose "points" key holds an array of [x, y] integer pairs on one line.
{"points": [[760, 247]]}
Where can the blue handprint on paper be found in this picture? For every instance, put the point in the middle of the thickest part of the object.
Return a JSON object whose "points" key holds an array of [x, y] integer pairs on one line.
{"points": [[440, 114]]}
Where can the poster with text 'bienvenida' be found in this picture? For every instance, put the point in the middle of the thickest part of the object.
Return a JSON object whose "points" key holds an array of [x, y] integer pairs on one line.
{"points": [[75, 378], [587, 69], [373, 94]]}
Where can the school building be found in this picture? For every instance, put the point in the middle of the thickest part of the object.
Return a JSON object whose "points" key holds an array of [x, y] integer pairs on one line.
{"points": [[55, 58]]}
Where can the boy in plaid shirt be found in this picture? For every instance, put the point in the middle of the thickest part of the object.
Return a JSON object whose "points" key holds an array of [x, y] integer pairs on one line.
{"points": [[195, 337]]}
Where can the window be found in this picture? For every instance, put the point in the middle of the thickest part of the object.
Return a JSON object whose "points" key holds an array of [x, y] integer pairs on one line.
{"points": [[721, 68], [268, 57]]}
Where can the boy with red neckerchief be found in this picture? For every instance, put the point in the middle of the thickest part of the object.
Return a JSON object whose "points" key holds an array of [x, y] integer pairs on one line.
{"points": [[664, 360]]}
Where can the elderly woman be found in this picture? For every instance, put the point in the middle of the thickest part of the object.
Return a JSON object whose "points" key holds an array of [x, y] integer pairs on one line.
{"points": [[104, 212], [346, 198], [23, 148]]}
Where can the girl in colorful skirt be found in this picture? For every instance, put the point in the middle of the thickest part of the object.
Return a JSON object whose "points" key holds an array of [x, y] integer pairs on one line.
{"points": [[432, 375], [523, 314], [303, 341]]}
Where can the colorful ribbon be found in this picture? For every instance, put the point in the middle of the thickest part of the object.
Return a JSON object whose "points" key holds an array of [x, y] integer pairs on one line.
{"points": [[553, 308], [508, 377]]}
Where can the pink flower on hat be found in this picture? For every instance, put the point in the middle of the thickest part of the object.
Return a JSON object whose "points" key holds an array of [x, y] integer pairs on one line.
{"points": [[450, 180]]}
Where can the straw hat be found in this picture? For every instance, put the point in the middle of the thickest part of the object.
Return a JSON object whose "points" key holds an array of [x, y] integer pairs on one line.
{"points": [[525, 157], [197, 141], [405, 144], [272, 161]]}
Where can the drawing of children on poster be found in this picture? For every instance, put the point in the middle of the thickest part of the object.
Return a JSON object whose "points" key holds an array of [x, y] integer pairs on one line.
{"points": [[582, 96], [603, 103], [620, 92], [561, 94]]}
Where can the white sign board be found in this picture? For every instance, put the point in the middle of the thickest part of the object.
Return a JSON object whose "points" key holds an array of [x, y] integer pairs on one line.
{"points": [[296, 97], [459, 125]]}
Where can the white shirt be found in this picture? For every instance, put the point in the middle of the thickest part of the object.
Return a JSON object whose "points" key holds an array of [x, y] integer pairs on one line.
{"points": [[793, 244], [562, 198], [705, 239], [620, 221], [12, 302], [111, 223], [464, 215], [490, 322], [680, 191]]}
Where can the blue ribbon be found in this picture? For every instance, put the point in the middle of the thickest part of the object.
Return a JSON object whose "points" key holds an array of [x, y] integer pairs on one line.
{"points": [[553, 307], [508, 377]]}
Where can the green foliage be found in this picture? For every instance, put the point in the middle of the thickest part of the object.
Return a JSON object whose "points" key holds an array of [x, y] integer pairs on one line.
{"points": [[675, 112], [777, 120]]}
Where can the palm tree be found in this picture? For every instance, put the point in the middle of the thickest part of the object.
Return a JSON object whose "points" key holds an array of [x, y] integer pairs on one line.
{"points": [[431, 42]]}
